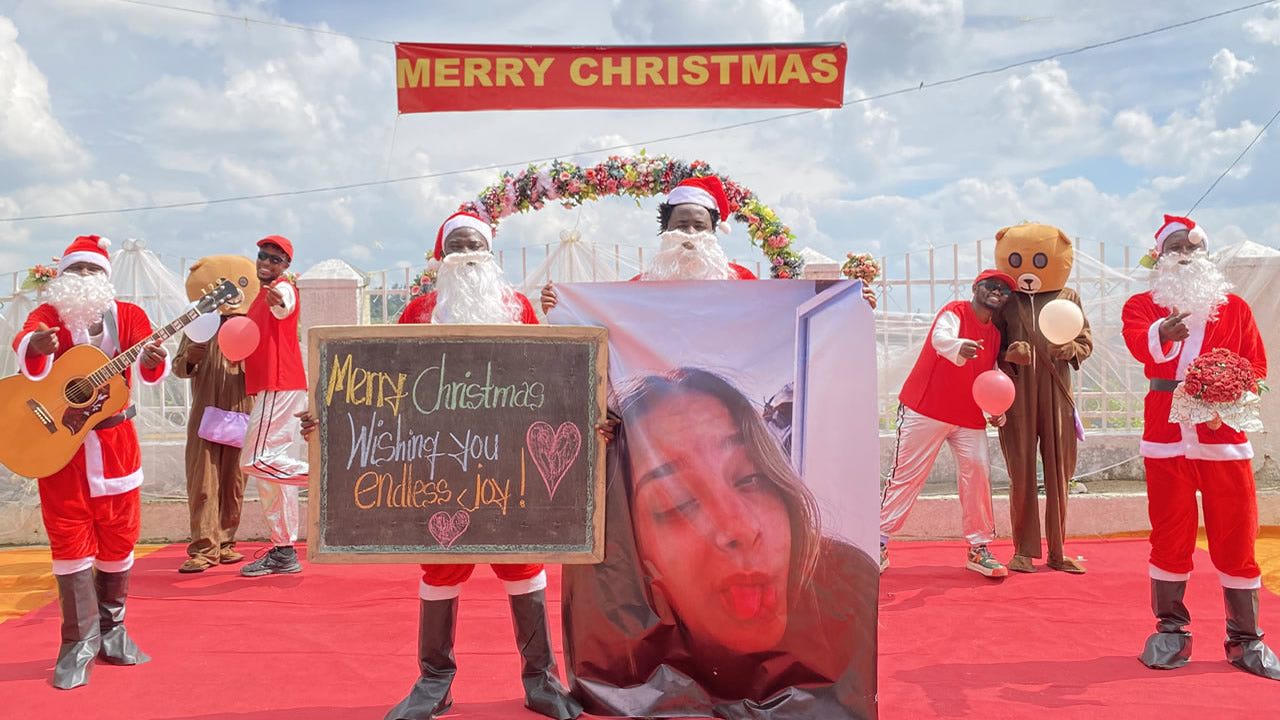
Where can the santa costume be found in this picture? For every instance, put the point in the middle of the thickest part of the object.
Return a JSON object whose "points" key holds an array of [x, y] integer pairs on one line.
{"points": [[91, 507], [438, 591], [1183, 458], [937, 407], [275, 378], [702, 257]]}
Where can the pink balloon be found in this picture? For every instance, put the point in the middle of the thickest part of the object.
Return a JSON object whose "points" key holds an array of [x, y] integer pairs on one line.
{"points": [[993, 391], [238, 338]]}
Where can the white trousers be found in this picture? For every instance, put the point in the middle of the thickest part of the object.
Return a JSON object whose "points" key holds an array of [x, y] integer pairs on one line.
{"points": [[919, 440], [270, 454]]}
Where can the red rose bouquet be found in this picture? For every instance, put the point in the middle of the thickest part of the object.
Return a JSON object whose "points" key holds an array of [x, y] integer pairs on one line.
{"points": [[1219, 385]]}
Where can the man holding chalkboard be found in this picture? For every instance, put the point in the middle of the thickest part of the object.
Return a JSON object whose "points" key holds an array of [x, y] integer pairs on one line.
{"points": [[471, 289], [274, 375]]}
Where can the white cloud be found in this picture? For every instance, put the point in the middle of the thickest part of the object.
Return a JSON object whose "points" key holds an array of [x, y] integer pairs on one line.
{"points": [[1228, 72], [1266, 28], [700, 22], [30, 134], [1041, 112], [894, 38]]}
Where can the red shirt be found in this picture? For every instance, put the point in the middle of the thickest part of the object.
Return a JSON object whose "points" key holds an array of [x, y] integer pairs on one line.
{"points": [[420, 308], [276, 364], [938, 388]]}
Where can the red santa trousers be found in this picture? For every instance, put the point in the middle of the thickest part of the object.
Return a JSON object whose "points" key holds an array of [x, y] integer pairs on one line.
{"points": [[86, 528], [442, 582], [1230, 517]]}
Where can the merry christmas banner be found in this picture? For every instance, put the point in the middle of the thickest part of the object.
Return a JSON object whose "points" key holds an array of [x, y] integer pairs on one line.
{"points": [[740, 577], [445, 78]]}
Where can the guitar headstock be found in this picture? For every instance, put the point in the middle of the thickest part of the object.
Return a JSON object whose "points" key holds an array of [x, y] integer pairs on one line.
{"points": [[221, 293]]}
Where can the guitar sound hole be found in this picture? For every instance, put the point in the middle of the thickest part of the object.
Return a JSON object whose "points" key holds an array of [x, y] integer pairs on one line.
{"points": [[79, 391]]}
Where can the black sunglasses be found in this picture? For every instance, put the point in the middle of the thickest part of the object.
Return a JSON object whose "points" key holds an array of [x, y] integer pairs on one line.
{"points": [[273, 259]]}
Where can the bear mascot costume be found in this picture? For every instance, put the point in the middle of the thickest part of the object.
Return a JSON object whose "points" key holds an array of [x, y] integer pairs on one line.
{"points": [[215, 485], [1039, 258]]}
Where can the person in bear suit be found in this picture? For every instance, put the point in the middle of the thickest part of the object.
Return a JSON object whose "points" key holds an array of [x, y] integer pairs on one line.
{"points": [[1039, 257]]}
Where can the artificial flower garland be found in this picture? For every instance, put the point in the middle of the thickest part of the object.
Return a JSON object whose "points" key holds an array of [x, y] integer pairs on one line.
{"points": [[636, 177], [40, 275], [861, 267]]}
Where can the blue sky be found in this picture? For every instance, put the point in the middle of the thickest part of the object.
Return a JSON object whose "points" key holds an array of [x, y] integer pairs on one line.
{"points": [[108, 104]]}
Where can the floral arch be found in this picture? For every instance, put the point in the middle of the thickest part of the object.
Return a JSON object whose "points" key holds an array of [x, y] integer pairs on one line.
{"points": [[637, 177]]}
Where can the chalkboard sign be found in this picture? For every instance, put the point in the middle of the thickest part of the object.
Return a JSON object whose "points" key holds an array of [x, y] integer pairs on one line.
{"points": [[457, 444]]}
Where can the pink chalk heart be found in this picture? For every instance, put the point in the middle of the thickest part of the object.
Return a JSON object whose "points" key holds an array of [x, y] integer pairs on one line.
{"points": [[446, 528], [553, 452]]}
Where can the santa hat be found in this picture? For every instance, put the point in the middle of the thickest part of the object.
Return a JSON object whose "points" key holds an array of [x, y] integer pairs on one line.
{"points": [[460, 220], [87, 249], [996, 275], [707, 192], [1172, 224]]}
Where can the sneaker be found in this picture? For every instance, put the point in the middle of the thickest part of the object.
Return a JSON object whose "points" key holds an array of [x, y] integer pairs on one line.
{"points": [[272, 562], [981, 561], [884, 557]]}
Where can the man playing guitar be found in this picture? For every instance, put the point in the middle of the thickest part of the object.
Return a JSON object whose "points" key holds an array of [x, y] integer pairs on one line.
{"points": [[91, 507]]}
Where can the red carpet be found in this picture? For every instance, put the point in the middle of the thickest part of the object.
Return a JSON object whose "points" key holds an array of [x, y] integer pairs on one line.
{"points": [[337, 642]]}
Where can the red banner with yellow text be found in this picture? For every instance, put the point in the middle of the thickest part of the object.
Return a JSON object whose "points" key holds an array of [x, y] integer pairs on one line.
{"points": [[450, 78]]}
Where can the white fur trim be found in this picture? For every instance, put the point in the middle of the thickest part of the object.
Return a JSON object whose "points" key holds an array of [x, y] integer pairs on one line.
{"points": [[104, 243], [1158, 574], [524, 587], [692, 195], [114, 566], [1168, 230], [1192, 449], [723, 227], [70, 567], [438, 592], [1197, 235], [22, 360], [1239, 583], [466, 221], [168, 365], [1190, 349], [1161, 450], [88, 256], [100, 486], [1153, 344]]}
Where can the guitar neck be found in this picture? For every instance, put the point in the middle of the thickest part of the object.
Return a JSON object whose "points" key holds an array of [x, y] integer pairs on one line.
{"points": [[126, 358]]}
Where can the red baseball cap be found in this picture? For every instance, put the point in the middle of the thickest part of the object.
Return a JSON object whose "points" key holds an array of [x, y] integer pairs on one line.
{"points": [[281, 241], [998, 275]]}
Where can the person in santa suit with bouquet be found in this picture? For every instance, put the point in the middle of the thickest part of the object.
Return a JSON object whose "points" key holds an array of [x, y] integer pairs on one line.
{"points": [[471, 289], [1186, 319], [91, 507], [688, 220]]}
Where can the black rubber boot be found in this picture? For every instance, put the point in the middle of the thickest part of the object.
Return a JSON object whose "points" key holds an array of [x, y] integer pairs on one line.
{"points": [[430, 696], [117, 647], [1170, 646], [81, 637], [1244, 645], [543, 692]]}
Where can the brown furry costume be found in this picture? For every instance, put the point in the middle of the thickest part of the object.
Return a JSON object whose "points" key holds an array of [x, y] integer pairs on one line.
{"points": [[215, 485], [1039, 257]]}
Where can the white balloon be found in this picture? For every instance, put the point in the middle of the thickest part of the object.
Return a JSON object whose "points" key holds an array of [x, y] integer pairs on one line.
{"points": [[203, 327], [1061, 321]]}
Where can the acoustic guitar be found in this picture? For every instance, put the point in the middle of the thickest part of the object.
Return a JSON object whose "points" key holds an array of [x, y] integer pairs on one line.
{"points": [[46, 421]]}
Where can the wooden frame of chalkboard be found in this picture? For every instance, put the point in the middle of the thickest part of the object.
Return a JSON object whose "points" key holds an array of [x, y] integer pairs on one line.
{"points": [[457, 444]]}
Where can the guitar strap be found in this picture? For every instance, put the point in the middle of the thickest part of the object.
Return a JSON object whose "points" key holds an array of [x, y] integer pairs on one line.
{"points": [[109, 327]]}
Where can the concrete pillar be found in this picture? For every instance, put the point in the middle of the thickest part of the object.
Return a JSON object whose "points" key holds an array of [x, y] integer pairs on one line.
{"points": [[332, 293]]}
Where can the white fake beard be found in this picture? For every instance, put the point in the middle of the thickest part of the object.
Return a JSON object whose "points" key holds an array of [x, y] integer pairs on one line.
{"points": [[1198, 287], [470, 289], [80, 300], [704, 261]]}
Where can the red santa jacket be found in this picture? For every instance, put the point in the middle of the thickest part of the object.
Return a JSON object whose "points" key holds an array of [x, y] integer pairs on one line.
{"points": [[1234, 330], [938, 388], [737, 272], [420, 308], [276, 364], [111, 461]]}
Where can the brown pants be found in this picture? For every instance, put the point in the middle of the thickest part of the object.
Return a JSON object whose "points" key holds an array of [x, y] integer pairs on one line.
{"points": [[1050, 425], [215, 494]]}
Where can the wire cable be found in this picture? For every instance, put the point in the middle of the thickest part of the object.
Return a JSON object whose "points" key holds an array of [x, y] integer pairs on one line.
{"points": [[1233, 163]]}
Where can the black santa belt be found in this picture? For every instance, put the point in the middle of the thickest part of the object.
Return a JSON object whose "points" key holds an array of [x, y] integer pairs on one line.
{"points": [[1163, 385], [114, 420]]}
